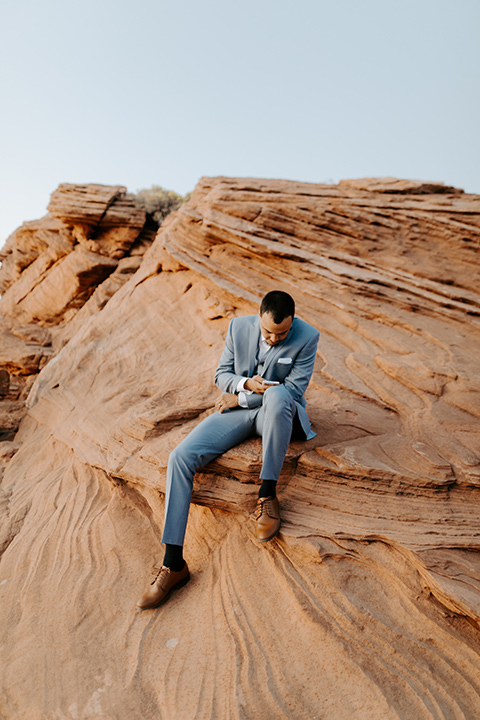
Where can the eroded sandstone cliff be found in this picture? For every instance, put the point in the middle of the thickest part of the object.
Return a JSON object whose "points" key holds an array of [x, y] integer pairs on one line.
{"points": [[368, 603]]}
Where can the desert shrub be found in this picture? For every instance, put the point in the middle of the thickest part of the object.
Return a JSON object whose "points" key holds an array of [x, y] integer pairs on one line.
{"points": [[158, 202]]}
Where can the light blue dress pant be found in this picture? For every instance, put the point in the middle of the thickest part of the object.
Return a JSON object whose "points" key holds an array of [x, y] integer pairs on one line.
{"points": [[219, 432]]}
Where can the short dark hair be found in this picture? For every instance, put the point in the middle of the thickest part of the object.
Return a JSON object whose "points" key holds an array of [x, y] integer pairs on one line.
{"points": [[279, 304]]}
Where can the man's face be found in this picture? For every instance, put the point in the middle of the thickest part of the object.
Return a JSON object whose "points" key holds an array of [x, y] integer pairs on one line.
{"points": [[272, 332]]}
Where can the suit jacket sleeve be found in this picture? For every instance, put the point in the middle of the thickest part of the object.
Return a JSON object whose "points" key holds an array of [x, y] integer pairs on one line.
{"points": [[225, 376]]}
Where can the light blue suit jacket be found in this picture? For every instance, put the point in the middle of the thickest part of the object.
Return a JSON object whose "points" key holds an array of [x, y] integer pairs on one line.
{"points": [[290, 362]]}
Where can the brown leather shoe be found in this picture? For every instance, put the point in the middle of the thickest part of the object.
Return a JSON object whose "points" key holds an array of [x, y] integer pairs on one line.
{"points": [[268, 518], [166, 581]]}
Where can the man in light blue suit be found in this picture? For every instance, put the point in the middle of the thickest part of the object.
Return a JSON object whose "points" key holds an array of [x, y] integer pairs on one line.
{"points": [[264, 370]]}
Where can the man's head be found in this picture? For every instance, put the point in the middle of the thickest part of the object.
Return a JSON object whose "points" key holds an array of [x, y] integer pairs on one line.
{"points": [[277, 311]]}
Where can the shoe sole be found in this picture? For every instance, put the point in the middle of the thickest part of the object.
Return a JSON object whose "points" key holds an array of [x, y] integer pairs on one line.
{"points": [[179, 585]]}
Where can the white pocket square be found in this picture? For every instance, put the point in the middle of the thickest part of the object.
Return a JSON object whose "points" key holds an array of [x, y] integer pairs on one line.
{"points": [[285, 361]]}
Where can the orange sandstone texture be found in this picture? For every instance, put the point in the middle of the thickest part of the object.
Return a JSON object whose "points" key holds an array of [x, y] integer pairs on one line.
{"points": [[368, 603]]}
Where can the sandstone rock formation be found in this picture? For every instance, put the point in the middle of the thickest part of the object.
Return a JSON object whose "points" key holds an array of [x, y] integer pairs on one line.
{"points": [[51, 267], [368, 603]]}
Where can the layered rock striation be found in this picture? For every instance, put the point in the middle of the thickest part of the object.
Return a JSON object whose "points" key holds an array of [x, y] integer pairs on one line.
{"points": [[50, 267], [368, 603]]}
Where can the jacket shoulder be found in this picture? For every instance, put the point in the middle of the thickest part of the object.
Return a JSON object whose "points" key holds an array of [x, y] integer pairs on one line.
{"points": [[304, 329], [243, 321]]}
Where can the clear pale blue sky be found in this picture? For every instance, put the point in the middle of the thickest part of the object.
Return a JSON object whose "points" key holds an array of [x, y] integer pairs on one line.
{"points": [[154, 92]]}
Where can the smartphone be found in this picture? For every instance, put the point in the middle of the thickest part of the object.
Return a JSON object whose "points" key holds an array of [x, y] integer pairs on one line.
{"points": [[270, 382]]}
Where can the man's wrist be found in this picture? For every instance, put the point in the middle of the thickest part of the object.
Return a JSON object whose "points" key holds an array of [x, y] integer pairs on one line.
{"points": [[243, 387]]}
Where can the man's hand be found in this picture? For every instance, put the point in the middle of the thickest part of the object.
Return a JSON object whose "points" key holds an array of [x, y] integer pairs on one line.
{"points": [[226, 400], [256, 385]]}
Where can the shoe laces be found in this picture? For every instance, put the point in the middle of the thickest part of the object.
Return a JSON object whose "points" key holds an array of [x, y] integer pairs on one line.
{"points": [[158, 572], [265, 505]]}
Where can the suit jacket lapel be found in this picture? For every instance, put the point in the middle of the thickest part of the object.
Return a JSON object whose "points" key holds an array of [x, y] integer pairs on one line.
{"points": [[270, 358]]}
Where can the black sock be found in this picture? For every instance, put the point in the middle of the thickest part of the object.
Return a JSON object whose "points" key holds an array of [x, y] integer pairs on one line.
{"points": [[268, 489], [174, 557]]}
